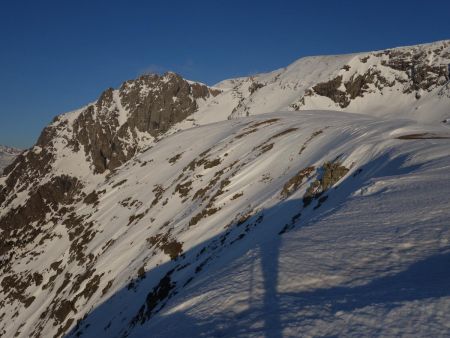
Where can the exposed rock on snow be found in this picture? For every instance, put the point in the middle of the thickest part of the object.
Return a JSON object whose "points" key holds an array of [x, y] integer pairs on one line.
{"points": [[170, 208]]}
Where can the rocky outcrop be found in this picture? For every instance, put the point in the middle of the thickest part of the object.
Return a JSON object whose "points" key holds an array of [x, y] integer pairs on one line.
{"points": [[415, 64], [329, 175], [343, 93], [409, 70], [111, 130], [22, 224]]}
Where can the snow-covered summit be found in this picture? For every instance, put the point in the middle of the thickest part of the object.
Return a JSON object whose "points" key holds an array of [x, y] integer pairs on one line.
{"points": [[405, 81]]}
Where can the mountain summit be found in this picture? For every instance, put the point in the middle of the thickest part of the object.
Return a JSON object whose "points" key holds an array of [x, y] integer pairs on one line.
{"points": [[308, 201]]}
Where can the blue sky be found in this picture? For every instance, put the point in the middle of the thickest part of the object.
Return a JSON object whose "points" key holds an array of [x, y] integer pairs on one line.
{"points": [[56, 56]]}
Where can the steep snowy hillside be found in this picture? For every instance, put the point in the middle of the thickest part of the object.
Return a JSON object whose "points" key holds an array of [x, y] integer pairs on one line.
{"points": [[105, 134], [163, 210], [365, 197], [7, 155]]}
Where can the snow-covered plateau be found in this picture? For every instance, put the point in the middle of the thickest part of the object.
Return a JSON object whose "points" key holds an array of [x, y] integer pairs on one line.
{"points": [[312, 201]]}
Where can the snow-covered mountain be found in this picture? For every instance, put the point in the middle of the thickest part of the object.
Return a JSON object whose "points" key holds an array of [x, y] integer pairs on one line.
{"points": [[402, 81], [7, 155], [309, 201]]}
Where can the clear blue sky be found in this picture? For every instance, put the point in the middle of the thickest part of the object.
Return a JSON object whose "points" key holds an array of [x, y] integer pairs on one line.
{"points": [[56, 56]]}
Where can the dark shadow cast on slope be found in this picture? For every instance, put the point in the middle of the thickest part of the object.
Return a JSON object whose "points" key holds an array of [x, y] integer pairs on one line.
{"points": [[114, 313], [426, 279]]}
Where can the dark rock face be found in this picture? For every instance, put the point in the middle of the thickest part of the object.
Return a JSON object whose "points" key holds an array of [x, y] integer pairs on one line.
{"points": [[151, 103], [421, 74], [22, 173], [331, 89], [356, 86], [254, 87], [359, 85], [26, 174], [330, 174], [170, 100], [21, 225]]}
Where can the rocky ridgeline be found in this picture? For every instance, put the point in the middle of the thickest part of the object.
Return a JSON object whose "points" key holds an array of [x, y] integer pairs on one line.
{"points": [[407, 78], [111, 130], [153, 104], [35, 192], [43, 201]]}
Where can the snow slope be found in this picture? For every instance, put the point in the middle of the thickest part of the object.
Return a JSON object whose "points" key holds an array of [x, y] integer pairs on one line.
{"points": [[389, 211], [405, 82], [373, 259], [286, 222]]}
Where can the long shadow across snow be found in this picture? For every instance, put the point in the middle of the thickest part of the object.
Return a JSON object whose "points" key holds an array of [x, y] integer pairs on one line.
{"points": [[425, 279], [429, 278], [108, 319]]}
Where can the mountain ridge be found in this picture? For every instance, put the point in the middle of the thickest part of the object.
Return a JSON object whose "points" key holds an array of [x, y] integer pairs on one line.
{"points": [[124, 204]]}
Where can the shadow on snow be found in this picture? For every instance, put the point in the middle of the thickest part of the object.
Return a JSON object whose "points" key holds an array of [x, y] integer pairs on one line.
{"points": [[429, 278]]}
